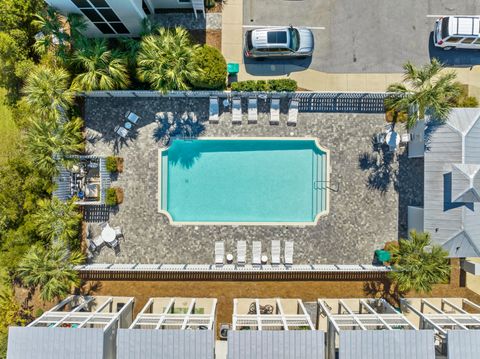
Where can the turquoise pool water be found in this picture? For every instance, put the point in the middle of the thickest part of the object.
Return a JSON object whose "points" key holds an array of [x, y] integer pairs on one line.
{"points": [[243, 180]]}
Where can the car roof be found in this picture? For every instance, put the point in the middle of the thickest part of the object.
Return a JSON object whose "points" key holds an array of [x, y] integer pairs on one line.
{"points": [[275, 37], [464, 25]]}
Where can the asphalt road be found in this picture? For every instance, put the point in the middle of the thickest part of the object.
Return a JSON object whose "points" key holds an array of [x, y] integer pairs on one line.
{"points": [[376, 36]]}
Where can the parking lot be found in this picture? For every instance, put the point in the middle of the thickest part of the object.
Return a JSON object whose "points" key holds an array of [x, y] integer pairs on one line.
{"points": [[376, 36]]}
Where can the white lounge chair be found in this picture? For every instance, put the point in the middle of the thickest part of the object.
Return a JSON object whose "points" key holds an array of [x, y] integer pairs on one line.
{"points": [[257, 253], [275, 111], [241, 252], [132, 117], [276, 251], [213, 111], [288, 255], [252, 110], [219, 253], [121, 131], [118, 232], [237, 110], [293, 113]]}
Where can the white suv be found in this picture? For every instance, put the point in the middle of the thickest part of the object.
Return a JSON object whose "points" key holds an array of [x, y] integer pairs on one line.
{"points": [[462, 32]]}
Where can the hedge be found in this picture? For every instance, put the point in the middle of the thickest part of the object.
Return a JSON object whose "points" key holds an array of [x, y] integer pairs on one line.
{"points": [[281, 85], [213, 69]]}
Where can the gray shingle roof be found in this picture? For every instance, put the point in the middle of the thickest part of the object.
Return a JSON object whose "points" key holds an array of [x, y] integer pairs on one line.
{"points": [[380, 344], [165, 344], [463, 344], [55, 343], [293, 344], [452, 183]]}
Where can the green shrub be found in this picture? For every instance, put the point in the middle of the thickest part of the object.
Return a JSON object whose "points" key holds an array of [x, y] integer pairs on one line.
{"points": [[469, 101], [213, 68], [111, 164], [111, 199], [280, 85], [209, 3], [38, 312]]}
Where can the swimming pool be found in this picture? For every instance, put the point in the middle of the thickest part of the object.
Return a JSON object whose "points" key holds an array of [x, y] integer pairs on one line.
{"points": [[244, 181]]}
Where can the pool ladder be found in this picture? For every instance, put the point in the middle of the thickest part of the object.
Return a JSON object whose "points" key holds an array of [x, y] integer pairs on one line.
{"points": [[335, 187]]}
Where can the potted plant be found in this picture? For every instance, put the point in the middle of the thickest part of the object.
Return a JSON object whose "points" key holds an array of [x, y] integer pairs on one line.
{"points": [[114, 196], [114, 164]]}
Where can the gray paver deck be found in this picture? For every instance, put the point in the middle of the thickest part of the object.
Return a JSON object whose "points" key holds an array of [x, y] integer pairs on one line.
{"points": [[365, 212]]}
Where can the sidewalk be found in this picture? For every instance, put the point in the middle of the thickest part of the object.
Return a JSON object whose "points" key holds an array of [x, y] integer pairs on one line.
{"points": [[232, 49]]}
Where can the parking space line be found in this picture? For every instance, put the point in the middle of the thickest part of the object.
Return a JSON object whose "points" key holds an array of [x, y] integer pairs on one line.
{"points": [[271, 26], [437, 16]]}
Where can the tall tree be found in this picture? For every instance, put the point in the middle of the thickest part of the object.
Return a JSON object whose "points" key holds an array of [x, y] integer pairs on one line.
{"points": [[56, 220], [423, 89], [166, 60], [417, 267], [47, 91], [99, 68], [50, 270], [51, 142]]}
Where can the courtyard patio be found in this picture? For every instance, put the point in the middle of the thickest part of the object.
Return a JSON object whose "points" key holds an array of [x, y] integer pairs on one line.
{"points": [[368, 200]]}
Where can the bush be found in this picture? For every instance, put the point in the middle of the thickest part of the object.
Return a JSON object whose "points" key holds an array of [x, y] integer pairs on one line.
{"points": [[111, 164], [111, 198], [463, 100], [213, 68], [209, 4], [114, 196], [280, 85], [469, 101]]}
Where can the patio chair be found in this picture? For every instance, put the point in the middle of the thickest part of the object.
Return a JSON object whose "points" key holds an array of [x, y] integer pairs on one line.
{"points": [[121, 131], [252, 110], [114, 244], [292, 113], [118, 232], [213, 111], [288, 254], [241, 252], [256, 253], [378, 141], [95, 244], [405, 138], [237, 110], [276, 251], [275, 111], [219, 253], [132, 117]]}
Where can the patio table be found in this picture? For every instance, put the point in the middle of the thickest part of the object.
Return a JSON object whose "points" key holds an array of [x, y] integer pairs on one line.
{"points": [[108, 234], [393, 140], [127, 125]]}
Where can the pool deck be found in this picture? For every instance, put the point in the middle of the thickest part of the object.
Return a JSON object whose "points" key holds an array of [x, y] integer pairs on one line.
{"points": [[369, 208]]}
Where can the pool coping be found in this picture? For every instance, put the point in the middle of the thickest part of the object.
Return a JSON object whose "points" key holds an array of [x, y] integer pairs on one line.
{"points": [[189, 223]]}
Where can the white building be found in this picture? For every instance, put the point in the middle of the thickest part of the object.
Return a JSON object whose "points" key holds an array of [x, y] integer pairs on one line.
{"points": [[120, 17]]}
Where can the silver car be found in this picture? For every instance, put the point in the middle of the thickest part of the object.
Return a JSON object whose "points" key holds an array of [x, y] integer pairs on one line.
{"points": [[279, 42]]}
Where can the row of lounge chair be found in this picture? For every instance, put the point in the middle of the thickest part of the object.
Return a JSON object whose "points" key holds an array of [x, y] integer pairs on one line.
{"points": [[256, 253], [253, 111]]}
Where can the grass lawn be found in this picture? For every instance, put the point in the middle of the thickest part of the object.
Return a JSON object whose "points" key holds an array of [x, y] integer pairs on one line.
{"points": [[8, 130]]}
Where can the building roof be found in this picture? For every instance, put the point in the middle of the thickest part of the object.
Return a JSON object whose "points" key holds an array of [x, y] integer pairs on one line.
{"points": [[452, 183], [379, 344], [55, 343], [463, 344], [276, 344], [174, 344]]}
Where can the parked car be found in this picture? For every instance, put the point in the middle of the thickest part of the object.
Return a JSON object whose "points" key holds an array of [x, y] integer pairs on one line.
{"points": [[279, 42], [462, 32]]}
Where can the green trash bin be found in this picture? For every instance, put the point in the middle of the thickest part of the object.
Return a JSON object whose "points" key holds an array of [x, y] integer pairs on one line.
{"points": [[232, 68], [382, 255]]}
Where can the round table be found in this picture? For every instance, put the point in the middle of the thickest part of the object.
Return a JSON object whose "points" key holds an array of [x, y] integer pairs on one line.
{"points": [[264, 259], [229, 258], [392, 139], [127, 125], [108, 234]]}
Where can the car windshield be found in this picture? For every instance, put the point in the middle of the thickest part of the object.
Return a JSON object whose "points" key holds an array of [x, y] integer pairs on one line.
{"points": [[294, 40]]}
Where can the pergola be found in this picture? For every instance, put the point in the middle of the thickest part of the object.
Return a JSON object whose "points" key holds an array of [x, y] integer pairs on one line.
{"points": [[80, 315], [280, 319], [167, 319]]}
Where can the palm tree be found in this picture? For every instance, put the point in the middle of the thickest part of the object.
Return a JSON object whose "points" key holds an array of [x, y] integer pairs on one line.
{"points": [[424, 89], [416, 267], [51, 31], [165, 60], [56, 220], [100, 68], [76, 24], [47, 91], [51, 270], [51, 142]]}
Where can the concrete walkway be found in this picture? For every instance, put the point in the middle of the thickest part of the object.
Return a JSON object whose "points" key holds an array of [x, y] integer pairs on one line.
{"points": [[308, 79]]}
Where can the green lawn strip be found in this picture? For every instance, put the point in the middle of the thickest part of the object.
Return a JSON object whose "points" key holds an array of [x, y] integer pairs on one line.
{"points": [[9, 132]]}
